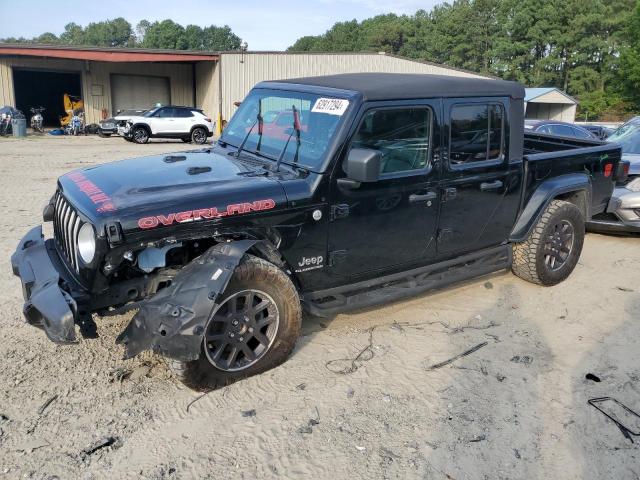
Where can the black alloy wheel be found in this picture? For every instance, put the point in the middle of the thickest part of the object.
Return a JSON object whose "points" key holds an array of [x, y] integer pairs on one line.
{"points": [[559, 245], [241, 330], [199, 136]]}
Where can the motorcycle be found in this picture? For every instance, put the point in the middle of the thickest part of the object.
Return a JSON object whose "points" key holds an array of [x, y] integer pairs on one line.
{"points": [[76, 125], [5, 124], [37, 119], [7, 114]]}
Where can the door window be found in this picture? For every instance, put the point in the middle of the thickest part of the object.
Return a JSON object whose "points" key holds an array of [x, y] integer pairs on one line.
{"points": [[167, 113], [402, 135], [476, 134], [563, 130]]}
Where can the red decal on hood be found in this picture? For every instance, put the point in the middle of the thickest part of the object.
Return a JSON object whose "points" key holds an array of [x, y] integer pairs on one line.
{"points": [[91, 190], [205, 213]]}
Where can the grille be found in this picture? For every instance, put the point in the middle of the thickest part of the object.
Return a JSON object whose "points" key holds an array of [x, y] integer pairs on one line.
{"points": [[66, 225]]}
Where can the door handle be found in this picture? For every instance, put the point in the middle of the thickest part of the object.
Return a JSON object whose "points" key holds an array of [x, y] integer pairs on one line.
{"points": [[450, 193], [484, 186], [422, 197]]}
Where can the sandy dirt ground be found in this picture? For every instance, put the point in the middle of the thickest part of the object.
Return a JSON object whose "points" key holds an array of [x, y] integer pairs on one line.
{"points": [[515, 408]]}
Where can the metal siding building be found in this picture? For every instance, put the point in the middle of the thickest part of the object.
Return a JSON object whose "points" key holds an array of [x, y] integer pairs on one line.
{"points": [[550, 104], [212, 81], [241, 71]]}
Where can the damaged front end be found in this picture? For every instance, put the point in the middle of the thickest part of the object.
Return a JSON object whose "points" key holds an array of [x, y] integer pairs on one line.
{"points": [[173, 321], [51, 300]]}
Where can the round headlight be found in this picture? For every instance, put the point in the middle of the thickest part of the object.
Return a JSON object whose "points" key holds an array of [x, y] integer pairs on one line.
{"points": [[87, 243]]}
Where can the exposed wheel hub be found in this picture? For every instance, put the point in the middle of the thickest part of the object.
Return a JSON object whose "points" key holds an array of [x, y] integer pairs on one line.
{"points": [[241, 330]]}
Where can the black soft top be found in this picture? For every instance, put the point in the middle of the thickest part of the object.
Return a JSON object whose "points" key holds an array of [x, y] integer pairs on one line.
{"points": [[403, 86]]}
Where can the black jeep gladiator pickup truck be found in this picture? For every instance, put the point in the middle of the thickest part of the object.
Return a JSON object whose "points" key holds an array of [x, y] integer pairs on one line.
{"points": [[367, 188]]}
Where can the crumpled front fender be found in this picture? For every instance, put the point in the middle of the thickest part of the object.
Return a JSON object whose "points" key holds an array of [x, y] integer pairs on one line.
{"points": [[173, 321]]}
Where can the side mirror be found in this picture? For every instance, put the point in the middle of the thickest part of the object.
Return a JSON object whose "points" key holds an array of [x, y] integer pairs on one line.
{"points": [[363, 165]]}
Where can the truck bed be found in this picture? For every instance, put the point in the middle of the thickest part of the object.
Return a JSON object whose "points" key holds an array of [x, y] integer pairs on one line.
{"points": [[550, 156], [535, 142]]}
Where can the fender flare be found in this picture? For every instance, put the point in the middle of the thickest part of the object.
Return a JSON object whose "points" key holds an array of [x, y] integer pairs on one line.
{"points": [[140, 124], [199, 125], [542, 196], [173, 321]]}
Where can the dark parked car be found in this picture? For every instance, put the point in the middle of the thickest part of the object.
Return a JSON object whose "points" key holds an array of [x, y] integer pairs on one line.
{"points": [[387, 185], [599, 131], [562, 129]]}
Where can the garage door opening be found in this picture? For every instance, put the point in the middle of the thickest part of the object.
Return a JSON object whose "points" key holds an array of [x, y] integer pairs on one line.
{"points": [[37, 88], [138, 92]]}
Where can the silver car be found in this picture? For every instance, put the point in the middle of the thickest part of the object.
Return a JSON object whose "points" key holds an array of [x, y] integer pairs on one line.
{"points": [[626, 217]]}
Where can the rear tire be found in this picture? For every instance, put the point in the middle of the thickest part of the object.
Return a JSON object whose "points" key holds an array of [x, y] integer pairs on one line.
{"points": [[553, 248], [199, 136], [252, 275]]}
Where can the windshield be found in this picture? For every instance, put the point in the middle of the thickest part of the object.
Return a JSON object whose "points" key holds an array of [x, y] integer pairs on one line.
{"points": [[149, 113], [628, 136], [319, 120]]}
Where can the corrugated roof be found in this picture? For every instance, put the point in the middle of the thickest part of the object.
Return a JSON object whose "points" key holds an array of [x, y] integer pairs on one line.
{"points": [[105, 54]]}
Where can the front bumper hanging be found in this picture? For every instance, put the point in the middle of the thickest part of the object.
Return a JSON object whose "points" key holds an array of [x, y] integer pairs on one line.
{"points": [[47, 305]]}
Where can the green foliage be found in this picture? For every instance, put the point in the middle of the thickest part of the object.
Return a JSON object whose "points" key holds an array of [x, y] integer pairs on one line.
{"points": [[119, 33], [630, 61], [580, 46]]}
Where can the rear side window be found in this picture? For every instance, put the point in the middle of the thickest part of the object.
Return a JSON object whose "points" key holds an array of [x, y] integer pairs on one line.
{"points": [[183, 113], [578, 132], [402, 135], [476, 133]]}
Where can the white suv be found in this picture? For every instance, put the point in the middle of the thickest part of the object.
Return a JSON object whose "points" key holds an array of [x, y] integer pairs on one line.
{"points": [[186, 123]]}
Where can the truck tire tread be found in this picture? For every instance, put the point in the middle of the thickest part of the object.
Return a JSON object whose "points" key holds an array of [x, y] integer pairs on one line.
{"points": [[526, 255]]}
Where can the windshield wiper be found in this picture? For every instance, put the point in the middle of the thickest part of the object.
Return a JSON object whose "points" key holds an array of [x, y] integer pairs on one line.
{"points": [[258, 122], [296, 130]]}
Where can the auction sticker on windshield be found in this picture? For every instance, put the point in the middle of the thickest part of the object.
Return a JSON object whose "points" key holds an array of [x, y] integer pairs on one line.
{"points": [[332, 106]]}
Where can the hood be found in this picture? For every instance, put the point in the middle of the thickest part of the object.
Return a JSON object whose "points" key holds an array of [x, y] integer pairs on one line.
{"points": [[634, 159], [162, 190], [131, 118]]}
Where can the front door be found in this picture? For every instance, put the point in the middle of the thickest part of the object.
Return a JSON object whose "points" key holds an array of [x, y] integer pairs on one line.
{"points": [[391, 223], [480, 182], [165, 121]]}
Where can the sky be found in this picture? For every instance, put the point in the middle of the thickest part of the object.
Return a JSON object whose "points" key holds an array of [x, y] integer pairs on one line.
{"points": [[264, 25]]}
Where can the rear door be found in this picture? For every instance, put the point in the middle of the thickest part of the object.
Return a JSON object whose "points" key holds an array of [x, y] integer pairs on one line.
{"points": [[480, 184], [386, 224], [185, 119]]}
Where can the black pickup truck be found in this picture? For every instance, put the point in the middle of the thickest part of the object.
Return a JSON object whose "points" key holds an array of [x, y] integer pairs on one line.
{"points": [[323, 194]]}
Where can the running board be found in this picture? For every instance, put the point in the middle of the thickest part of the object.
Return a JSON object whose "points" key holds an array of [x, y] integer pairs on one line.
{"points": [[393, 287]]}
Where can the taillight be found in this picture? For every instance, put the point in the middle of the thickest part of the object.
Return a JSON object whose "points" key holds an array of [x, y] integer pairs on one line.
{"points": [[207, 119], [608, 169], [622, 174]]}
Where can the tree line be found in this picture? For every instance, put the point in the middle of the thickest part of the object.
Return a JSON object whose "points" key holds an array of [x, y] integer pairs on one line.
{"points": [[160, 34], [588, 48]]}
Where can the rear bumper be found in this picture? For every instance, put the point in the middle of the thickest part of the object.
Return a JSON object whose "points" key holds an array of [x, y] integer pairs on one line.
{"points": [[622, 214], [47, 305]]}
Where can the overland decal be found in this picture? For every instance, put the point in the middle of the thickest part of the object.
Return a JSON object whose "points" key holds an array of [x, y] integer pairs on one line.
{"points": [[205, 214], [100, 199]]}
